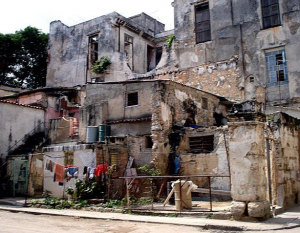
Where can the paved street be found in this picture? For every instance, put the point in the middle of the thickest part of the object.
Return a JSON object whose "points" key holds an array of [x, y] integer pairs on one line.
{"points": [[28, 223]]}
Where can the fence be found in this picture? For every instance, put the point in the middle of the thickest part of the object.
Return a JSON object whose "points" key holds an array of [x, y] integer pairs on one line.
{"points": [[182, 180]]}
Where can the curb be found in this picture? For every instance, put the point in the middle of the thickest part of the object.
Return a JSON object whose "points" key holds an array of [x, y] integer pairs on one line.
{"points": [[204, 226]]}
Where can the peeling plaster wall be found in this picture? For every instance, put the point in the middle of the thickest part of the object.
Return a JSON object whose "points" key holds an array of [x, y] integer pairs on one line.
{"points": [[222, 78], [247, 161], [285, 163], [16, 122], [237, 30], [170, 104], [107, 102], [69, 50], [137, 149], [214, 163], [81, 158], [36, 176]]}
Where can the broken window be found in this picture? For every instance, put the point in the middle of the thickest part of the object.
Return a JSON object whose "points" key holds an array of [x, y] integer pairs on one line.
{"points": [[204, 103], [148, 142], [132, 99], [150, 58], [98, 80], [128, 49], [93, 49], [158, 55], [202, 144], [270, 13], [276, 68], [202, 19]]}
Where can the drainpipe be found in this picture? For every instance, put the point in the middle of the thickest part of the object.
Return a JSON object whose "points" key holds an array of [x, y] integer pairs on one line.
{"points": [[269, 171]]}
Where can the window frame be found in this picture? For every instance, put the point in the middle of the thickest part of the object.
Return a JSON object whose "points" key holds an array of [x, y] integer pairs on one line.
{"points": [[264, 7], [93, 52], [196, 10], [129, 40], [195, 149], [126, 99], [279, 67]]}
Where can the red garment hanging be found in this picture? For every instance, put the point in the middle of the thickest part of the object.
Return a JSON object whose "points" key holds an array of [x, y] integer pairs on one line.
{"points": [[100, 169], [59, 173]]}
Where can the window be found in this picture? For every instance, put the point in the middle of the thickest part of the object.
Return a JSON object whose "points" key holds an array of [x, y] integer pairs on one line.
{"points": [[98, 80], [158, 55], [128, 49], [276, 68], [202, 144], [148, 142], [93, 49], [204, 103], [202, 23], [270, 13], [132, 99], [150, 58]]}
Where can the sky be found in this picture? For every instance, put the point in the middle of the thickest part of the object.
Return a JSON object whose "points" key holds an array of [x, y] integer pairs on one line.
{"points": [[18, 14]]}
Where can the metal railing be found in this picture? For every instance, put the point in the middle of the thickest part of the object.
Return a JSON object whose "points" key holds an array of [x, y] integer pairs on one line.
{"points": [[26, 135], [181, 179]]}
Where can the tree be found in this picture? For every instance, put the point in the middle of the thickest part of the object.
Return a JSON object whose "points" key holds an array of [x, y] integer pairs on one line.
{"points": [[23, 58]]}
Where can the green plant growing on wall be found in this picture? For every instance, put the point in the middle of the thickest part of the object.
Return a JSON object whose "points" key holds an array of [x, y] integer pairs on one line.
{"points": [[170, 41], [101, 65]]}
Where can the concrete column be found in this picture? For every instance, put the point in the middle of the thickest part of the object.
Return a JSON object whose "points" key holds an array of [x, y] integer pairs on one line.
{"points": [[248, 167]]}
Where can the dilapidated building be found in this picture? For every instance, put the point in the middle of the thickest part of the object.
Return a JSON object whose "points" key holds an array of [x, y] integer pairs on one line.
{"points": [[165, 97]]}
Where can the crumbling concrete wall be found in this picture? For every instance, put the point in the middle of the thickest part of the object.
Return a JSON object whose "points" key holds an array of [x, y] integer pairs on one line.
{"points": [[213, 163], [248, 167], [16, 122], [175, 106], [83, 155], [237, 30], [284, 138], [220, 78], [107, 103], [36, 175], [138, 149], [69, 63]]}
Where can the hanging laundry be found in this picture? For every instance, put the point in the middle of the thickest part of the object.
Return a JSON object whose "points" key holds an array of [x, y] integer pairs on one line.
{"points": [[72, 172], [176, 164], [59, 171], [49, 165], [91, 173], [100, 169], [85, 170]]}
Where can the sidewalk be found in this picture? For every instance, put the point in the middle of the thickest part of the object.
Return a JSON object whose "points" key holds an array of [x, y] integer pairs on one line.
{"points": [[287, 220]]}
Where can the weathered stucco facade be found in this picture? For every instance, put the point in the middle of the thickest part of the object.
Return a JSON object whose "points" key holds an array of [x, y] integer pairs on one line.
{"points": [[70, 49], [237, 29], [16, 122], [169, 101]]}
